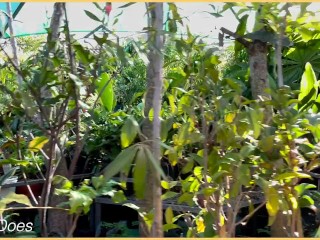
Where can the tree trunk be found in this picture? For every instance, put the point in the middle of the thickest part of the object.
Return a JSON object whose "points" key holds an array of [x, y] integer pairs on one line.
{"points": [[258, 69], [259, 82], [280, 227], [57, 220], [152, 129]]}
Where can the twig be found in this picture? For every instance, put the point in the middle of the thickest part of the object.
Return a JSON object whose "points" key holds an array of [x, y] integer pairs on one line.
{"points": [[250, 214], [236, 36]]}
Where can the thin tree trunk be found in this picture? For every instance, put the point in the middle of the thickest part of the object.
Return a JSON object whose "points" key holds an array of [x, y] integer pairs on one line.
{"points": [[259, 74], [56, 222], [152, 129]]}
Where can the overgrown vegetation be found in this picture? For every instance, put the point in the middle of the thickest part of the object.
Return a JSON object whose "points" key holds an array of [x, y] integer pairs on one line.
{"points": [[230, 144]]}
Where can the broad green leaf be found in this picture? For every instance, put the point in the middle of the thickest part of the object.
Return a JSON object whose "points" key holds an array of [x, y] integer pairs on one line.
{"points": [[13, 161], [241, 30], [308, 83], [139, 173], [290, 175], [97, 182], [7, 175], [305, 201], [79, 202], [62, 182], [166, 126], [244, 175], [272, 198], [83, 54], [172, 103], [254, 120], [92, 16], [209, 221], [168, 185], [37, 143], [13, 197], [186, 198], [129, 132], [188, 167], [302, 187], [169, 215], [266, 144], [119, 197], [124, 159], [154, 162], [168, 195], [105, 90], [170, 226]]}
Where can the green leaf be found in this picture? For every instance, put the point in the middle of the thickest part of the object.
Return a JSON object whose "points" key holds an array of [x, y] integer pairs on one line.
{"points": [[254, 120], [127, 5], [105, 90], [98, 6], [92, 16], [241, 29], [170, 226], [291, 175], [186, 198], [129, 132], [79, 202], [209, 221], [169, 215], [140, 173], [13, 197], [62, 182], [308, 83], [244, 174], [168, 185], [37, 143], [7, 175], [83, 54], [305, 201], [122, 161], [272, 205], [119, 197], [155, 162], [168, 195], [14, 162], [302, 187]]}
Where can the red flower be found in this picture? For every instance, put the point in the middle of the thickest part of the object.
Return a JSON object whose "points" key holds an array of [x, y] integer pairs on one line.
{"points": [[108, 8]]}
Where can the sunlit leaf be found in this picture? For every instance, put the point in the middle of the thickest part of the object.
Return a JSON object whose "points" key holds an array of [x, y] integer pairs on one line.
{"points": [[37, 143], [105, 90], [129, 132]]}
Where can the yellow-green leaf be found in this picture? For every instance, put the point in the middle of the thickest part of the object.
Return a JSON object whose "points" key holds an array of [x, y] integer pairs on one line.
{"points": [[105, 90], [13, 197], [129, 132], [229, 117], [200, 225], [272, 197], [139, 174], [169, 215], [37, 143]]}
